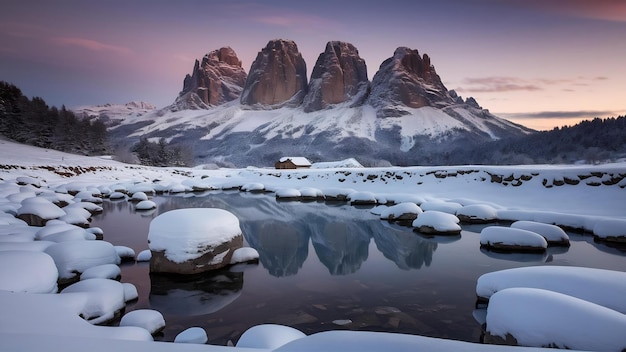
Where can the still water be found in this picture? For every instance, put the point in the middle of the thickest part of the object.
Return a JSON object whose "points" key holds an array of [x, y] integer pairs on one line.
{"points": [[324, 264]]}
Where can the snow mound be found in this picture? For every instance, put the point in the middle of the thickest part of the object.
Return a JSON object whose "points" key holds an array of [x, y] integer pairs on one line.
{"points": [[184, 234], [541, 318], [192, 335], [269, 336], [105, 271], [609, 286], [144, 256], [477, 213], [27, 271], [506, 238], [77, 256], [402, 211], [105, 299], [433, 221], [552, 233], [243, 255], [148, 319]]}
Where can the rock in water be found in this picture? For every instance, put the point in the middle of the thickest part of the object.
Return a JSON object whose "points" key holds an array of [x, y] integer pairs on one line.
{"points": [[339, 75], [407, 79], [218, 79], [277, 76], [192, 241]]}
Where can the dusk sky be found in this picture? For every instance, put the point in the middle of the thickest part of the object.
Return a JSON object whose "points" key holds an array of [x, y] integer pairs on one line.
{"points": [[541, 63]]}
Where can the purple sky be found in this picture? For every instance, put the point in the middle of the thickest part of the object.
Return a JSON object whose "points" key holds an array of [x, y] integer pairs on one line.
{"points": [[538, 62]]}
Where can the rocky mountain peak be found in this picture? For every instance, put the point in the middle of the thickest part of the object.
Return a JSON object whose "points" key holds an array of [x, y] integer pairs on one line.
{"points": [[407, 79], [218, 79], [277, 76], [339, 75]]}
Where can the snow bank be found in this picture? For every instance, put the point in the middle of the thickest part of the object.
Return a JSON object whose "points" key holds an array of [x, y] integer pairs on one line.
{"points": [[611, 228], [603, 287], [27, 271], [269, 336], [506, 238], [542, 318], [185, 234]]}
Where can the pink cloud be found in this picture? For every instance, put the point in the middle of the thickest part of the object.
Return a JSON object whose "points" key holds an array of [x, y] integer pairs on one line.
{"points": [[90, 45]]}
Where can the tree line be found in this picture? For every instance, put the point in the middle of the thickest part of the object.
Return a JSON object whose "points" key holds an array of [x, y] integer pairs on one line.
{"points": [[33, 122]]}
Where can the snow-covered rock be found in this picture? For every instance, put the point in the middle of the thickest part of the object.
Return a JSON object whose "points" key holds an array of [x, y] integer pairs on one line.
{"points": [[541, 318], [609, 286], [437, 222], [512, 239], [27, 271], [130, 292], [244, 255], [442, 206], [477, 214], [189, 241], [36, 211], [74, 257], [195, 335], [144, 256], [268, 336], [105, 299], [117, 195], [407, 211], [145, 205], [125, 253], [255, 187], [311, 193], [104, 271], [148, 319], [553, 234], [362, 198], [139, 196]]}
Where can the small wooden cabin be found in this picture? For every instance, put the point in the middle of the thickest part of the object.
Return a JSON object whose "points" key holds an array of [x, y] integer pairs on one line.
{"points": [[293, 163]]}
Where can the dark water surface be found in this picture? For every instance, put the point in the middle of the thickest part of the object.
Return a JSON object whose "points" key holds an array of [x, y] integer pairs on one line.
{"points": [[321, 263]]}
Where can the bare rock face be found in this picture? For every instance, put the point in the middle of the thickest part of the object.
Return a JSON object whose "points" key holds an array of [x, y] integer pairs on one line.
{"points": [[339, 75], [218, 79], [407, 79], [277, 77]]}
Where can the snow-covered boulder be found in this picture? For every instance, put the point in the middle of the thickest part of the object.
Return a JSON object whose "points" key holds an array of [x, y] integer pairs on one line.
{"points": [[288, 194], [144, 256], [130, 292], [610, 230], [125, 253], [362, 198], [245, 255], [253, 187], [310, 193], [541, 318], [74, 257], [437, 222], [148, 319], [553, 234], [190, 241], [36, 211], [117, 195], [268, 336], [104, 271], [441, 205], [477, 214], [138, 197], [27, 271], [337, 194], [407, 211], [603, 287], [192, 335], [145, 205], [512, 239], [105, 299]]}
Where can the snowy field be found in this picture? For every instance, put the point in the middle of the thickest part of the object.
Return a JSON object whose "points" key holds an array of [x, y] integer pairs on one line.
{"points": [[591, 198]]}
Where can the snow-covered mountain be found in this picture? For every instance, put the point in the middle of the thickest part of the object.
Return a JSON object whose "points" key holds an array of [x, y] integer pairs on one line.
{"points": [[404, 113]]}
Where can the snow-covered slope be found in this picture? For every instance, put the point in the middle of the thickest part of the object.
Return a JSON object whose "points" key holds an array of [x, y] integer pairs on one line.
{"points": [[242, 136]]}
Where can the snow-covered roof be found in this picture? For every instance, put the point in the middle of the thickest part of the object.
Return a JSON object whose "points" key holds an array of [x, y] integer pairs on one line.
{"points": [[296, 160]]}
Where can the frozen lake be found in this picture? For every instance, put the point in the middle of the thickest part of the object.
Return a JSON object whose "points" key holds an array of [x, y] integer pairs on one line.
{"points": [[324, 264]]}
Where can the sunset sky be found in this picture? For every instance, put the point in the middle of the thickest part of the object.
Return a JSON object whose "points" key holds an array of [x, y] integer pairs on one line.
{"points": [[541, 63]]}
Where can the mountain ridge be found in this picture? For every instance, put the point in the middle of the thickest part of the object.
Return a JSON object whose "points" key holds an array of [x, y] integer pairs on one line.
{"points": [[404, 111]]}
